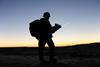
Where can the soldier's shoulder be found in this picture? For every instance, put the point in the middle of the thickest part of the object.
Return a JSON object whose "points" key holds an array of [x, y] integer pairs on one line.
{"points": [[42, 19]]}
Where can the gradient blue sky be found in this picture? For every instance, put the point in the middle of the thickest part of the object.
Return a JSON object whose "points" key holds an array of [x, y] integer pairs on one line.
{"points": [[80, 20]]}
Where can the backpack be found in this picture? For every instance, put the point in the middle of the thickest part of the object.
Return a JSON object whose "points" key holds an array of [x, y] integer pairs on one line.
{"points": [[34, 27]]}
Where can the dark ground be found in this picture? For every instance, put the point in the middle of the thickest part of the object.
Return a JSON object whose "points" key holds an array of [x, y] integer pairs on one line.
{"points": [[86, 55], [29, 61]]}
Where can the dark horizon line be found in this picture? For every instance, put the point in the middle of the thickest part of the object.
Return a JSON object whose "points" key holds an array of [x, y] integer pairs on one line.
{"points": [[55, 46]]}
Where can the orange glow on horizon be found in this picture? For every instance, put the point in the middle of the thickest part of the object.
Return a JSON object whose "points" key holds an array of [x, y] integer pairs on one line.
{"points": [[31, 44]]}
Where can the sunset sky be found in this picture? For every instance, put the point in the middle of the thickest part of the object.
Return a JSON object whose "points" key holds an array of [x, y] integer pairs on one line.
{"points": [[80, 20]]}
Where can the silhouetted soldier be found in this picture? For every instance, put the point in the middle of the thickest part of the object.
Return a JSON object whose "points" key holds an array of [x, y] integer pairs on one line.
{"points": [[44, 35]]}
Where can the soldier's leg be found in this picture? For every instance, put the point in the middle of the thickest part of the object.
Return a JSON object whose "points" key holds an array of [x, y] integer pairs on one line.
{"points": [[41, 45], [51, 48]]}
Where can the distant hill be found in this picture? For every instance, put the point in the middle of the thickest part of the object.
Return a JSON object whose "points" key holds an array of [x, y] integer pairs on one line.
{"points": [[80, 50]]}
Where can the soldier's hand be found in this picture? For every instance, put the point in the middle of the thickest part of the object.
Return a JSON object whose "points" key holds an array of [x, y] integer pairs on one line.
{"points": [[57, 25]]}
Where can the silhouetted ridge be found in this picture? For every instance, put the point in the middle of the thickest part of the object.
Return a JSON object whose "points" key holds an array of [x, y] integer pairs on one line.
{"points": [[82, 50]]}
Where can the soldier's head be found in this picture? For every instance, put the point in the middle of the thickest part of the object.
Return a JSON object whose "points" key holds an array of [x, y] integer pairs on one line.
{"points": [[46, 15]]}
